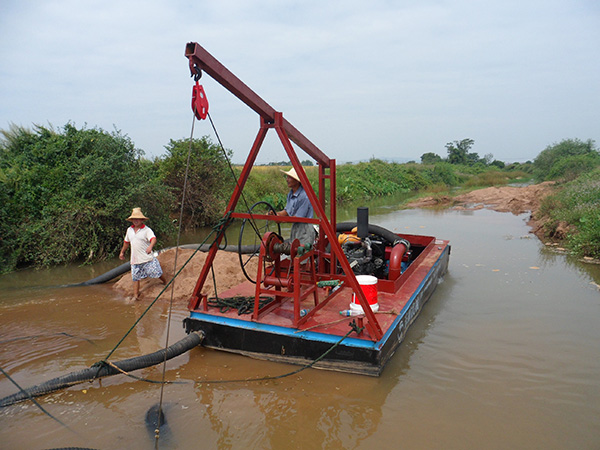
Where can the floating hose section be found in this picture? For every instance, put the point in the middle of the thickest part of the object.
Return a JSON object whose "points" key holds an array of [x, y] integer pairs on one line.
{"points": [[126, 267], [102, 369], [114, 273]]}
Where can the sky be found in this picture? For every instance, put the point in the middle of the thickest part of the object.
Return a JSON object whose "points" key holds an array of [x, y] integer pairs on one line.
{"points": [[361, 79]]}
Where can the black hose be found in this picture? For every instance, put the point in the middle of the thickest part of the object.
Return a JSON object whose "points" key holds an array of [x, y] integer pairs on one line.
{"points": [[104, 370], [113, 273], [245, 249], [126, 267], [373, 229]]}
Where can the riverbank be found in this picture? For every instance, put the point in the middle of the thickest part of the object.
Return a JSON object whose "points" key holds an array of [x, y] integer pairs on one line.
{"points": [[516, 200]]}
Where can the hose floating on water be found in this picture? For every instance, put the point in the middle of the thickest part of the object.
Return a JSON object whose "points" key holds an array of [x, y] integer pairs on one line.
{"points": [[123, 268], [104, 370], [126, 267]]}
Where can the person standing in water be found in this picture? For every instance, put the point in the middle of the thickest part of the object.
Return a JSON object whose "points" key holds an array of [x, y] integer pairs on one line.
{"points": [[144, 264]]}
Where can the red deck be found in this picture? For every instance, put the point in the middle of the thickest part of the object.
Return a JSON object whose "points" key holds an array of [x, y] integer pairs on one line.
{"points": [[328, 319]]}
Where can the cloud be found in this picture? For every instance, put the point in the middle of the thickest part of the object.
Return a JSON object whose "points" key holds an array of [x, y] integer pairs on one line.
{"points": [[360, 79]]}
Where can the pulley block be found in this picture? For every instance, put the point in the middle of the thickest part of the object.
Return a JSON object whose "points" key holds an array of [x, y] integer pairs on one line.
{"points": [[199, 102]]}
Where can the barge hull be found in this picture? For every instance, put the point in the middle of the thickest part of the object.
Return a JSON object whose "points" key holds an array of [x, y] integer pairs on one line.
{"points": [[290, 345]]}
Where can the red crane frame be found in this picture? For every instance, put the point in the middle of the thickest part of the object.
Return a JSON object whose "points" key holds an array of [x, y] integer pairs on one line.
{"points": [[201, 60]]}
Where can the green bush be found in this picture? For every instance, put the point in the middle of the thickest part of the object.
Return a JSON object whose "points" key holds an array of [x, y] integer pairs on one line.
{"points": [[65, 194], [488, 178], [578, 205], [571, 167], [550, 165], [444, 173], [209, 179]]}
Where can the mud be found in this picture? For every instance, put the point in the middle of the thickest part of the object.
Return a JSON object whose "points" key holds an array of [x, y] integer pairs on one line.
{"points": [[226, 269]]}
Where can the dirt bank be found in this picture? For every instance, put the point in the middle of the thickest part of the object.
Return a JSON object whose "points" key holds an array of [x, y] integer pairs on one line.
{"points": [[516, 200], [227, 273]]}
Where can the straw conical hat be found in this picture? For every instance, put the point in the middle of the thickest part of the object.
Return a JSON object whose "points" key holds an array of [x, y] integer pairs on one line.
{"points": [[292, 173], [137, 214]]}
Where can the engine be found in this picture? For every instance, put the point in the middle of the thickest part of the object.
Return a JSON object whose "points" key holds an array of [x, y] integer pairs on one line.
{"points": [[366, 256]]}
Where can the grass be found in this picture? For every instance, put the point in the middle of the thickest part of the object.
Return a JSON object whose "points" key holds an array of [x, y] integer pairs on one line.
{"points": [[575, 207]]}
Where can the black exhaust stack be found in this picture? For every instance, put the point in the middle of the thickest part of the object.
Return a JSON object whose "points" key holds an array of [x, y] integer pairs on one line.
{"points": [[362, 219]]}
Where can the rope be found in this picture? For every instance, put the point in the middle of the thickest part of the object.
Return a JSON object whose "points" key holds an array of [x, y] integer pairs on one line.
{"points": [[244, 305], [224, 219], [164, 368], [353, 328], [35, 402], [237, 183]]}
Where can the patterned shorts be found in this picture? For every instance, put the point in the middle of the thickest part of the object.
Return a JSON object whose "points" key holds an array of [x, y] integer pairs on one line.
{"points": [[150, 269]]}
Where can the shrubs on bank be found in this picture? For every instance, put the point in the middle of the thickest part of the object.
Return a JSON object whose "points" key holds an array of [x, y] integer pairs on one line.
{"points": [[65, 193], [208, 177], [572, 214], [566, 160]]}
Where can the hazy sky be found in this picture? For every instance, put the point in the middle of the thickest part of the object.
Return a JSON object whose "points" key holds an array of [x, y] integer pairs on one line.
{"points": [[361, 79]]}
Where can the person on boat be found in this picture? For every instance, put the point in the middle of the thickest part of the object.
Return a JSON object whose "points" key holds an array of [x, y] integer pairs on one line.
{"points": [[298, 205], [143, 262]]}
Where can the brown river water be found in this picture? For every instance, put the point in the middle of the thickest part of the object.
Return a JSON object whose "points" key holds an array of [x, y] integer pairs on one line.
{"points": [[505, 355]]}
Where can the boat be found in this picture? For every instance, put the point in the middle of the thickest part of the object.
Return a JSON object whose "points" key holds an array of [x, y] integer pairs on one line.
{"points": [[341, 302]]}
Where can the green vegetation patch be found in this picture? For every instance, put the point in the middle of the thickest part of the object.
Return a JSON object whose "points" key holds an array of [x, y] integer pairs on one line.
{"points": [[576, 208], [65, 193]]}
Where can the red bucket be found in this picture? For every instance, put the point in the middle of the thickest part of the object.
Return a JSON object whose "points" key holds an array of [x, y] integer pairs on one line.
{"points": [[368, 285]]}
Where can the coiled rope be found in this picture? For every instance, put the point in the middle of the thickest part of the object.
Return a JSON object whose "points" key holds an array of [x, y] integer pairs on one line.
{"points": [[244, 305]]}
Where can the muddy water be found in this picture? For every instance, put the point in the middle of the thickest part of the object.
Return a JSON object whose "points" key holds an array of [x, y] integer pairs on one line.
{"points": [[505, 355]]}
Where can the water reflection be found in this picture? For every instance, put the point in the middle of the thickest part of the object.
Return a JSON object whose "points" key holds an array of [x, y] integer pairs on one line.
{"points": [[333, 410]]}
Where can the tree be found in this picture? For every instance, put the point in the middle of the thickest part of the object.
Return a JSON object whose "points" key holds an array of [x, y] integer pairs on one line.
{"points": [[458, 151], [430, 158], [209, 181], [544, 164]]}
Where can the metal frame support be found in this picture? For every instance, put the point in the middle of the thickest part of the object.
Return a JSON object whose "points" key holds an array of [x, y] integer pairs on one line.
{"points": [[201, 60]]}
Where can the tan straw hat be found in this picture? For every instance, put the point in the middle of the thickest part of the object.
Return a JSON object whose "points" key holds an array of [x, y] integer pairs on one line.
{"points": [[292, 173], [137, 214]]}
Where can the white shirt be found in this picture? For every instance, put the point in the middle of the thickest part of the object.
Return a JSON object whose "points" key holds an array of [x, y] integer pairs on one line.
{"points": [[139, 241]]}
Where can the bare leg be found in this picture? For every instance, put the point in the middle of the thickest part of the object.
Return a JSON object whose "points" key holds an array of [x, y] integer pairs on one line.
{"points": [[163, 278], [136, 290]]}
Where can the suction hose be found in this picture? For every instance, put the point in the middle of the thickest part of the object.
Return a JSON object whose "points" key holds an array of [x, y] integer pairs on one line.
{"points": [[126, 267], [105, 276], [104, 370]]}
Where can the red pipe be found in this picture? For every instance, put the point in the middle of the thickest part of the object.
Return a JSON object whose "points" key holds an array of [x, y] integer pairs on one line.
{"points": [[396, 261]]}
